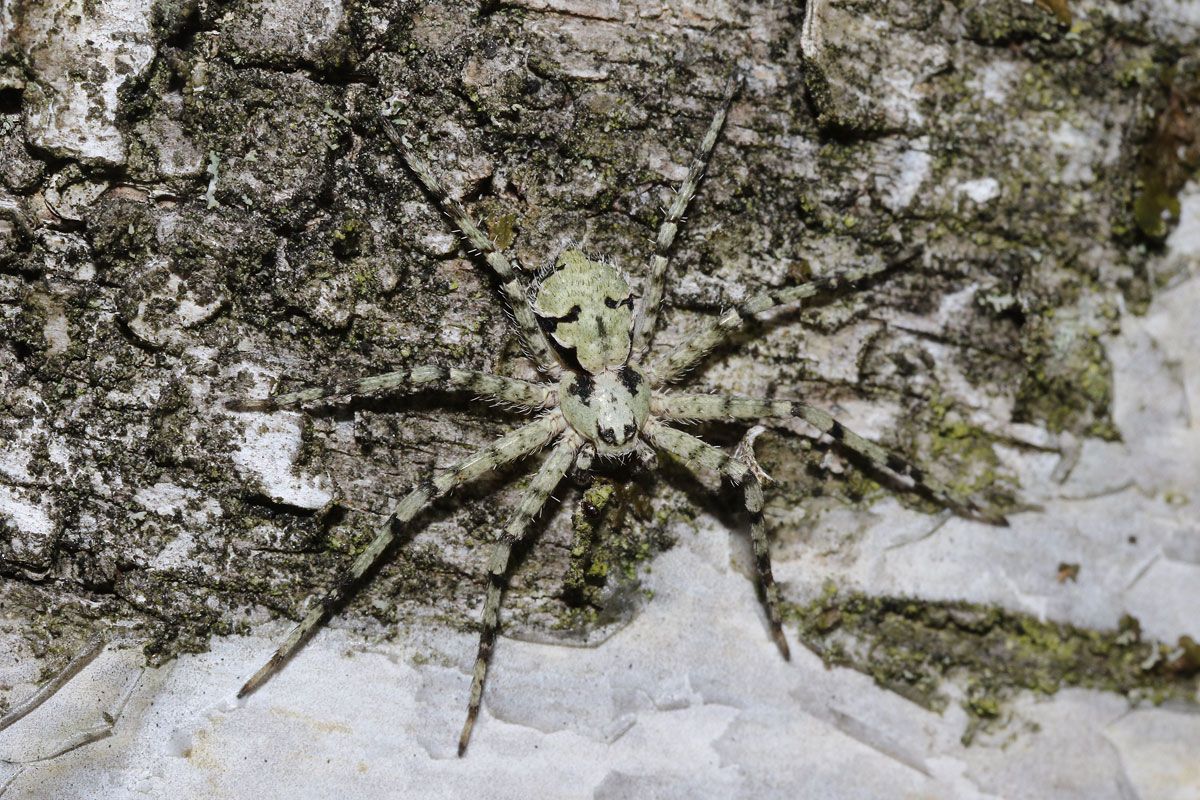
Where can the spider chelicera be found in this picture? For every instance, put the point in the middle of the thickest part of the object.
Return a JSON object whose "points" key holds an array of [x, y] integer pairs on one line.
{"points": [[589, 337]]}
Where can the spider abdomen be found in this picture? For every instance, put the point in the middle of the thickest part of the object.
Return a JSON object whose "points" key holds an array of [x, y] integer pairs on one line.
{"points": [[586, 309]]}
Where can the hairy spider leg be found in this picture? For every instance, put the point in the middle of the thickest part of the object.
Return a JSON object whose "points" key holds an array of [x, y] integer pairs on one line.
{"points": [[507, 448], [692, 452], [652, 292], [687, 406], [510, 282], [92, 648], [485, 384], [548, 476], [690, 351]]}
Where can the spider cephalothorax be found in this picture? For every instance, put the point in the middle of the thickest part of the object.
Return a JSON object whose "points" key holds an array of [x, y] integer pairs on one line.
{"points": [[608, 409], [585, 333], [586, 308]]}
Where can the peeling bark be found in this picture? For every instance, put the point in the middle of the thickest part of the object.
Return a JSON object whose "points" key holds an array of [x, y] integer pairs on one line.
{"points": [[207, 211]]}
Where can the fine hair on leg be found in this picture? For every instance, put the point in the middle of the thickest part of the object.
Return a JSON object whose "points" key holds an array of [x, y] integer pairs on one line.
{"points": [[522, 441], [548, 476]]}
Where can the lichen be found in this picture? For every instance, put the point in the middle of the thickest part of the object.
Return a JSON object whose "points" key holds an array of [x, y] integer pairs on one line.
{"points": [[316, 256], [912, 646], [1171, 154], [602, 583]]}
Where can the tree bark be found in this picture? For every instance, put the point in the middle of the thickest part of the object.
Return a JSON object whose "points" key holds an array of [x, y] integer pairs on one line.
{"points": [[198, 206]]}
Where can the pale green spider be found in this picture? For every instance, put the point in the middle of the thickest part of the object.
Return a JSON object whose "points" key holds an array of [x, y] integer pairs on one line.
{"points": [[601, 399]]}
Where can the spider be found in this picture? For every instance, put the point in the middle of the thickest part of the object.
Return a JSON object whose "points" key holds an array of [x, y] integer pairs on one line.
{"points": [[602, 398]]}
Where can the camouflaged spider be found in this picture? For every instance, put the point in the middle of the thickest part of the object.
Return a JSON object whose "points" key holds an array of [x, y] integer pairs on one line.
{"points": [[584, 330]]}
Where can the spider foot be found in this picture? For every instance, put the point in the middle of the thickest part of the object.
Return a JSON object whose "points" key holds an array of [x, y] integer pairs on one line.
{"points": [[260, 677], [465, 736], [268, 404], [982, 514], [781, 642]]}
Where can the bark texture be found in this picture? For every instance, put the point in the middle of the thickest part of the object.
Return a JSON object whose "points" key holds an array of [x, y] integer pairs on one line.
{"points": [[197, 206]]}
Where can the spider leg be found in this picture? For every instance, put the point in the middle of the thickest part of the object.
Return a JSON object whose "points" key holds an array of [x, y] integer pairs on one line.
{"points": [[87, 655], [510, 283], [745, 452], [686, 406], [543, 483], [511, 446], [690, 351], [485, 384], [692, 452], [652, 293]]}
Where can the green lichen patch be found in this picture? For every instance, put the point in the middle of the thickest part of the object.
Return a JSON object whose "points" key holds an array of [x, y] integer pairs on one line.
{"points": [[1011, 21], [272, 134], [1068, 385], [587, 518], [911, 646], [310, 253], [1171, 154], [602, 586], [819, 476]]}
